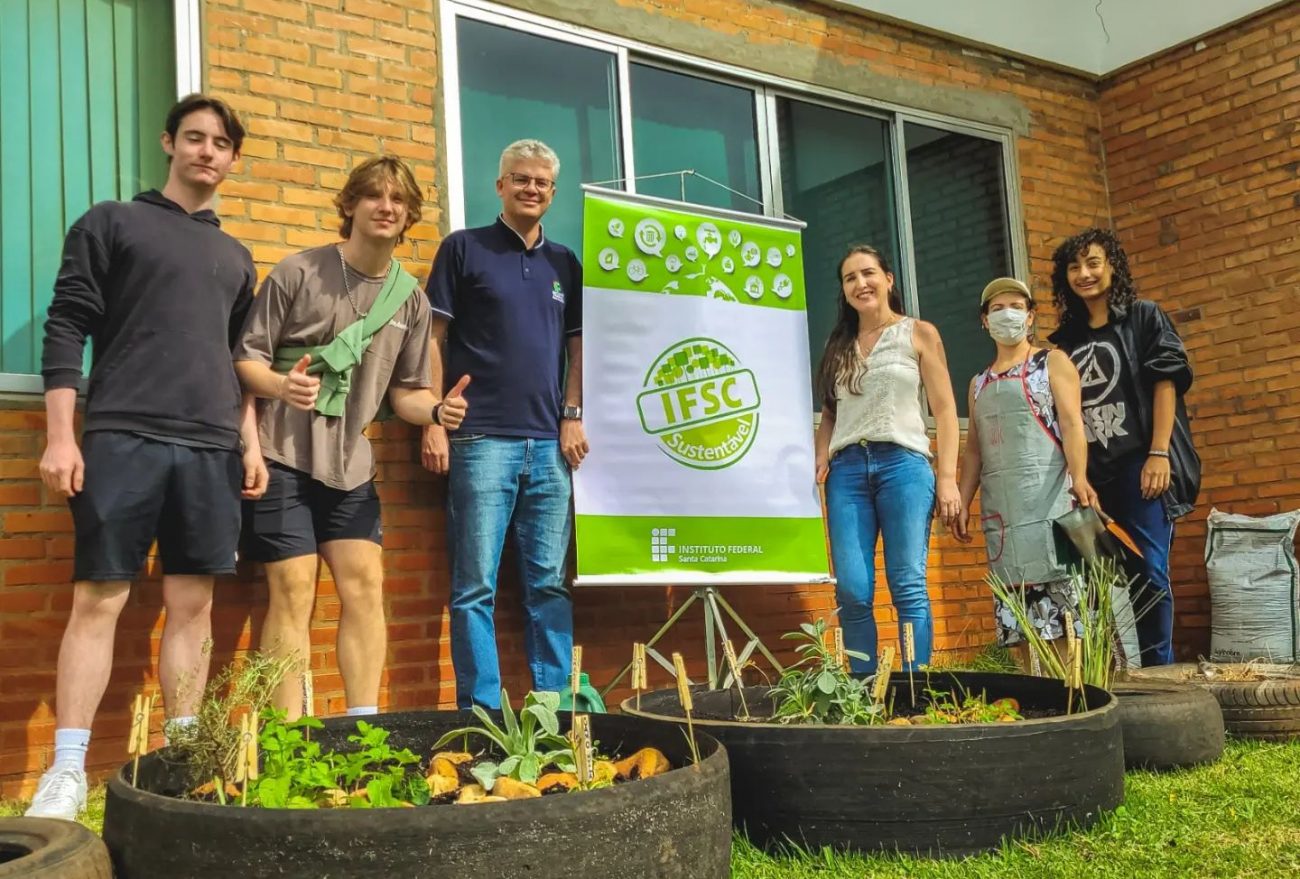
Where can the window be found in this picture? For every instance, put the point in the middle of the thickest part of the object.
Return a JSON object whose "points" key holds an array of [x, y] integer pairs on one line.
{"points": [[684, 122], [836, 176], [84, 87], [929, 193], [959, 239], [515, 85]]}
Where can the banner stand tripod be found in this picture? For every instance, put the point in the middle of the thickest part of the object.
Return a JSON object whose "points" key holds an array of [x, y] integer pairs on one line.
{"points": [[715, 633]]}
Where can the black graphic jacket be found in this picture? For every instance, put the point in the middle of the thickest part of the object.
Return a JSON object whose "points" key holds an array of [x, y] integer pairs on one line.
{"points": [[1153, 352]]}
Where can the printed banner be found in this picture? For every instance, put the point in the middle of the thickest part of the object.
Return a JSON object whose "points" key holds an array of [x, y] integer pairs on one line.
{"points": [[695, 398]]}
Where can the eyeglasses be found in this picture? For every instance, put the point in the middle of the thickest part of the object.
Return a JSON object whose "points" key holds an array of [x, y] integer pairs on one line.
{"points": [[521, 181]]}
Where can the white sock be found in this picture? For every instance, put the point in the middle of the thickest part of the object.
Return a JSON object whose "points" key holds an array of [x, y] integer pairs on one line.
{"points": [[70, 747], [177, 723], [362, 710]]}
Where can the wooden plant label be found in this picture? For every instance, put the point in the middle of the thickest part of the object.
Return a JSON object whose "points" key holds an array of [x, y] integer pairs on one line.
{"points": [[729, 652], [683, 683], [575, 675], [638, 667], [1076, 670], [137, 720], [841, 658], [883, 670], [250, 749], [1035, 664], [584, 754], [308, 695], [241, 760], [137, 741], [1069, 631], [909, 645]]}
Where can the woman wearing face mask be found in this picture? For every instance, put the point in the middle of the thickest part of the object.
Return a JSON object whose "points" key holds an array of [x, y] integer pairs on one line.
{"points": [[1134, 372], [1027, 455], [873, 452]]}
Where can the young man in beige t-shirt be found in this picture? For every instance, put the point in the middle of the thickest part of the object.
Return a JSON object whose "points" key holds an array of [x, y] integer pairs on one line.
{"points": [[321, 498]]}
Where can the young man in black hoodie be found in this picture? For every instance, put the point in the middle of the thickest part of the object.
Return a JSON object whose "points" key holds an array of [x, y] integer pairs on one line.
{"points": [[162, 292]]}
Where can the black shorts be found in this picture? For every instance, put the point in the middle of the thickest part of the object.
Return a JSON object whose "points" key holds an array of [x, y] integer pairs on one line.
{"points": [[298, 513], [137, 489]]}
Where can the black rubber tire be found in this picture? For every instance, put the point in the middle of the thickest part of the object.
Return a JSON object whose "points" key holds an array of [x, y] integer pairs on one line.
{"points": [[937, 790], [1168, 725], [1267, 709], [675, 826], [47, 848]]}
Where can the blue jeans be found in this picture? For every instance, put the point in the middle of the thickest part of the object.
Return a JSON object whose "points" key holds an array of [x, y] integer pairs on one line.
{"points": [[881, 489], [492, 481], [1153, 532]]}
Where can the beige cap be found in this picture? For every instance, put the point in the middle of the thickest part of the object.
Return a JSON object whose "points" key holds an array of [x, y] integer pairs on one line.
{"points": [[1003, 285]]}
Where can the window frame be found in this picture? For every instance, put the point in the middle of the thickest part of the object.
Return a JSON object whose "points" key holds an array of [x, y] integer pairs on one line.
{"points": [[188, 43], [767, 89]]}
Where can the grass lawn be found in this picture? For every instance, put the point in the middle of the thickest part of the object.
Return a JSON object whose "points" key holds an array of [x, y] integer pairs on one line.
{"points": [[1237, 818]]}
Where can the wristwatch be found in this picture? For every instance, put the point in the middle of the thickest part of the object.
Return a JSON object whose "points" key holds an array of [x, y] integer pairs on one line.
{"points": [[437, 414], [571, 413]]}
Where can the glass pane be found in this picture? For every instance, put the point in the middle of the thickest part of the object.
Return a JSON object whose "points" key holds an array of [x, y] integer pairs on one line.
{"points": [[960, 239], [682, 122], [515, 85], [79, 82], [836, 177]]}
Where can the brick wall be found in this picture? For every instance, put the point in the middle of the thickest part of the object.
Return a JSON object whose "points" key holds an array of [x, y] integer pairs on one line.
{"points": [[1201, 149], [325, 83]]}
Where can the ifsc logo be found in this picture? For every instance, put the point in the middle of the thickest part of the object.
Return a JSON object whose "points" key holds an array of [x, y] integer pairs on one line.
{"points": [[660, 548], [700, 403]]}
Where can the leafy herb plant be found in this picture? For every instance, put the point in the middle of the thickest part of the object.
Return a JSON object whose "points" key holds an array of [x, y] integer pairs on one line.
{"points": [[528, 743], [298, 774], [817, 689], [944, 708]]}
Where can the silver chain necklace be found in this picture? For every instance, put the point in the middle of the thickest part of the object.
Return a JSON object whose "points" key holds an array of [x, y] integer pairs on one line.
{"points": [[348, 287]]}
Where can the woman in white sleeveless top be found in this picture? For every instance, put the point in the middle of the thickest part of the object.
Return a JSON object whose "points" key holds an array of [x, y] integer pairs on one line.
{"points": [[873, 452]]}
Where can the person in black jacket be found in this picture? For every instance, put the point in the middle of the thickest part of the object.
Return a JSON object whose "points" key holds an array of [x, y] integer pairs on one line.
{"points": [[1134, 374], [163, 293]]}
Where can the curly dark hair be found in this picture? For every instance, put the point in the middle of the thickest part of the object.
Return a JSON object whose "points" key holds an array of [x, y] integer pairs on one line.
{"points": [[1071, 311], [839, 359]]}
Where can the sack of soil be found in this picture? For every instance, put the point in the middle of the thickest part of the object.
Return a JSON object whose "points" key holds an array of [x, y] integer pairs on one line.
{"points": [[1250, 562]]}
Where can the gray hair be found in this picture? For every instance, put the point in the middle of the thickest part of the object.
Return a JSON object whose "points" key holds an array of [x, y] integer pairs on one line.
{"points": [[522, 150]]}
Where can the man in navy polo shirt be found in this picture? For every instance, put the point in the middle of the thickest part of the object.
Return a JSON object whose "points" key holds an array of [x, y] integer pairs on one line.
{"points": [[507, 309]]}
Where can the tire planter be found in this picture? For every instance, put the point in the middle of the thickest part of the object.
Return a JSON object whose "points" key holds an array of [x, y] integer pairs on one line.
{"points": [[47, 848], [936, 790], [1168, 725], [1267, 709], [673, 825]]}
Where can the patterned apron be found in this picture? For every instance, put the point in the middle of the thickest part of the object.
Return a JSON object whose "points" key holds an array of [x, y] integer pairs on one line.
{"points": [[1023, 482]]}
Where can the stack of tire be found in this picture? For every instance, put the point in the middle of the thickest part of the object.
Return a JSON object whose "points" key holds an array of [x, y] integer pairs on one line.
{"points": [[1267, 709]]}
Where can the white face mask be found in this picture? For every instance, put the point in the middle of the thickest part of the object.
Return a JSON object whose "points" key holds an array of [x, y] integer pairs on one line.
{"points": [[1009, 326]]}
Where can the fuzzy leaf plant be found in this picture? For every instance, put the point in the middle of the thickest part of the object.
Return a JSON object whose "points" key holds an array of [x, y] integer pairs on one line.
{"points": [[817, 689], [528, 743]]}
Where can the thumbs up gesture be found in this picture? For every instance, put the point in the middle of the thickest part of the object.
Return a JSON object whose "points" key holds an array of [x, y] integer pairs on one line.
{"points": [[451, 412], [299, 389]]}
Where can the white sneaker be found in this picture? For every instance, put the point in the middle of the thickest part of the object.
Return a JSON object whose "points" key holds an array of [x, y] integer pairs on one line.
{"points": [[61, 794]]}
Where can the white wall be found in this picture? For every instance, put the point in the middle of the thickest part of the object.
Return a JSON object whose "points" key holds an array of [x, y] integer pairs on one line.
{"points": [[1070, 32]]}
